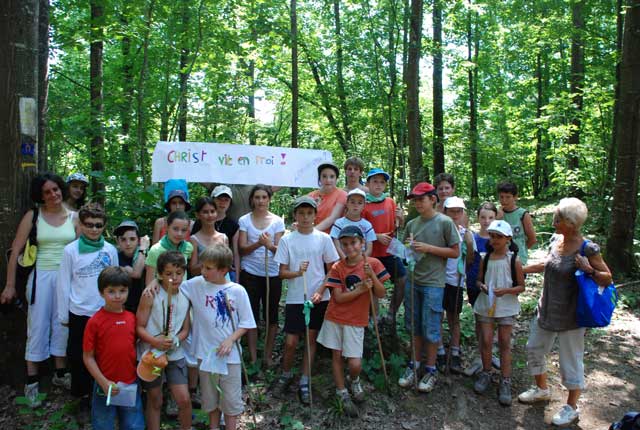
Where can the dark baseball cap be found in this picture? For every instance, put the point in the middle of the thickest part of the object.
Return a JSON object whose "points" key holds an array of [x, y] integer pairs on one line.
{"points": [[351, 231], [304, 201], [124, 226]]}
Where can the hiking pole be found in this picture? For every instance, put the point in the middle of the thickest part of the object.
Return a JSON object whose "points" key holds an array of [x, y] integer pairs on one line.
{"points": [[244, 367], [306, 309], [412, 268], [266, 319], [375, 326], [455, 311]]}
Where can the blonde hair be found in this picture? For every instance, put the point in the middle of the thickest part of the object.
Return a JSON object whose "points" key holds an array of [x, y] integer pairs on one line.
{"points": [[573, 211], [219, 254]]}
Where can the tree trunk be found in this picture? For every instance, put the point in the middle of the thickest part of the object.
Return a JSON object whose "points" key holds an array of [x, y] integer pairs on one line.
{"points": [[340, 87], [576, 82], [417, 171], [96, 102], [625, 198], [438, 115], [185, 51], [537, 171], [473, 42], [43, 82], [127, 93], [611, 157], [294, 74], [142, 80]]}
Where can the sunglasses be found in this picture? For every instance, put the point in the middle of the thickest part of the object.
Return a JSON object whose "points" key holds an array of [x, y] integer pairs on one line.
{"points": [[97, 225]]}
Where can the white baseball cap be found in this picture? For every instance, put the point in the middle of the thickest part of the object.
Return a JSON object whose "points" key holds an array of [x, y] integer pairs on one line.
{"points": [[501, 227], [356, 192], [220, 190], [454, 202]]}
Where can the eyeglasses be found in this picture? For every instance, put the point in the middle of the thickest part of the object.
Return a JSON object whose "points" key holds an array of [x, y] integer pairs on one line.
{"points": [[97, 225]]}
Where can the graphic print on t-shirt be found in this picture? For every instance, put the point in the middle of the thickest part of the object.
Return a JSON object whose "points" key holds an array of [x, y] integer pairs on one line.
{"points": [[351, 281], [94, 268], [218, 303]]}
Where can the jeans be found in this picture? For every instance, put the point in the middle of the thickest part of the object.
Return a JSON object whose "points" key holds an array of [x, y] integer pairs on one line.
{"points": [[427, 310], [103, 417]]}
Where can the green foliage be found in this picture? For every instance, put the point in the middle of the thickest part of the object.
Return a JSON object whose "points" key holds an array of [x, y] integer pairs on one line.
{"points": [[287, 422], [372, 368]]}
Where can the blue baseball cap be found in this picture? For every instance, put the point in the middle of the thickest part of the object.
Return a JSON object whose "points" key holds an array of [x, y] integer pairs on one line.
{"points": [[378, 171]]}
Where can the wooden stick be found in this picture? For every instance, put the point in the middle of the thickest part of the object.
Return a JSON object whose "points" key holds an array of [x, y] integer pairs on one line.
{"points": [[413, 330], [375, 326], [266, 328], [167, 326], [306, 329]]}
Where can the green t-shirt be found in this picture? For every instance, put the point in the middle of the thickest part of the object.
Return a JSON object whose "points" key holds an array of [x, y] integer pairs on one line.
{"points": [[514, 218], [157, 249], [440, 231]]}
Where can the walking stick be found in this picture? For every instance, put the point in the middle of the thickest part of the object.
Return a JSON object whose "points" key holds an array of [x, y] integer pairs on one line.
{"points": [[306, 309], [266, 328], [412, 266], [375, 326], [244, 367]]}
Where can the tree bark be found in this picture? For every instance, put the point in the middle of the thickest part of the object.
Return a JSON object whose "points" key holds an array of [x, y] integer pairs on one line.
{"points": [[184, 73], [340, 87], [96, 96], [294, 74], [417, 171], [625, 198], [438, 114], [127, 93], [472, 57], [43, 82], [576, 81], [140, 108]]}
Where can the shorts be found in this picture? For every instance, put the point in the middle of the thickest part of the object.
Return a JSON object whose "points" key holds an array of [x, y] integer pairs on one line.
{"points": [[257, 290], [452, 297], [427, 311], [46, 336], [508, 320], [229, 398], [294, 318], [394, 267], [472, 295], [340, 337], [174, 374]]}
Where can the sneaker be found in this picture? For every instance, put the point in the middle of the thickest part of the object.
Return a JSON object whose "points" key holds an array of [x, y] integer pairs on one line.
{"points": [[428, 382], [565, 416], [482, 383], [62, 381], [441, 362], [408, 378], [474, 368], [171, 410], [32, 394], [348, 407], [356, 391], [281, 387], [456, 364], [304, 394], [535, 394], [504, 393]]}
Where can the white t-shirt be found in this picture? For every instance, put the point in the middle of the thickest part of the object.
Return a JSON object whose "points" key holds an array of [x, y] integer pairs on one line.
{"points": [[254, 263], [364, 225], [211, 324], [453, 277], [316, 248], [77, 283]]}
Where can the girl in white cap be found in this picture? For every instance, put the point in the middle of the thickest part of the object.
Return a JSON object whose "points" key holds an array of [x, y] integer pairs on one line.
{"points": [[76, 191]]}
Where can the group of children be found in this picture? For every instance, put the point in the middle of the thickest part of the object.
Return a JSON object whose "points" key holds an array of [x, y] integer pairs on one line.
{"points": [[191, 329]]}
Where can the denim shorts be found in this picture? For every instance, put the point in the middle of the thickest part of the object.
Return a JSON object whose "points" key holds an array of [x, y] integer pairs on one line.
{"points": [[104, 417], [427, 312]]}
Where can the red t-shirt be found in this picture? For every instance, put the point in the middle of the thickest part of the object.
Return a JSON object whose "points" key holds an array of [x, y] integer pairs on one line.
{"points": [[326, 203], [341, 275], [382, 217], [112, 337]]}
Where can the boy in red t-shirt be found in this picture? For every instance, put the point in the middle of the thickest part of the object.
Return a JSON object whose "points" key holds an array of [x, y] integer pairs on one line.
{"points": [[110, 356], [383, 214], [348, 312]]}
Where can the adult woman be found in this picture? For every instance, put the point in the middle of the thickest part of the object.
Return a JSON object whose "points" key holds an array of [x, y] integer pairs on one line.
{"points": [[76, 191], [330, 199], [556, 316], [260, 232], [55, 226]]}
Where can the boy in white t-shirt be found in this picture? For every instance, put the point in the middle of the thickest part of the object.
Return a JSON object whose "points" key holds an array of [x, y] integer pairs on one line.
{"points": [[308, 253], [215, 302], [356, 199]]}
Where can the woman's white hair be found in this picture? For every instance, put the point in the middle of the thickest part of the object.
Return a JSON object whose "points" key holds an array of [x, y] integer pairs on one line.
{"points": [[573, 211]]}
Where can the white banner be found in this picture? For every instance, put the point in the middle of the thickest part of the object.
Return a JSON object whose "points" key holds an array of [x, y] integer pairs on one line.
{"points": [[237, 164]]}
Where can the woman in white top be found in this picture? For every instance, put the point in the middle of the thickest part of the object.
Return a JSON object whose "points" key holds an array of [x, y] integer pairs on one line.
{"points": [[260, 232]]}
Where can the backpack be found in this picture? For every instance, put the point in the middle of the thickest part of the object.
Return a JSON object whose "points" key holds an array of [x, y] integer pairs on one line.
{"points": [[514, 254], [630, 421]]}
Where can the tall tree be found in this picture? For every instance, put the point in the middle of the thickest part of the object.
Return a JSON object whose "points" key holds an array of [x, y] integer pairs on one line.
{"points": [[126, 107], [340, 87], [417, 171], [96, 131], [185, 50], [294, 74], [576, 80], [625, 197], [473, 46], [438, 115], [43, 81]]}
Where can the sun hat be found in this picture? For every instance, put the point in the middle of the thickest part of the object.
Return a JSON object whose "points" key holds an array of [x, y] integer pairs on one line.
{"points": [[178, 193], [378, 171], [77, 177]]}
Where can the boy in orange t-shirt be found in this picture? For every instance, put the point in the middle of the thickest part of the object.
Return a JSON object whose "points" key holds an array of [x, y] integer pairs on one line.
{"points": [[348, 312]]}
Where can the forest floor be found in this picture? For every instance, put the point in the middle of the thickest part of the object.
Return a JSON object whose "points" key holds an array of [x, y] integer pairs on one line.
{"points": [[612, 364]]}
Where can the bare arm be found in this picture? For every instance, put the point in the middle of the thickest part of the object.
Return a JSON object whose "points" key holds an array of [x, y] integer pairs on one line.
{"points": [[439, 251], [150, 274], [336, 213], [286, 273], [595, 267], [519, 287], [534, 268], [368, 249], [22, 234], [468, 238], [227, 345], [157, 226], [194, 263], [529, 230], [90, 363], [244, 247], [142, 318], [336, 243]]}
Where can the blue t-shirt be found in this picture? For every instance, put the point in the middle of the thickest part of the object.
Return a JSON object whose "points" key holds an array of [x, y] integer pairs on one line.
{"points": [[472, 271]]}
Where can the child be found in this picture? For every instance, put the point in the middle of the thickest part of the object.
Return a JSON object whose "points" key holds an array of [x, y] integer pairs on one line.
{"points": [[131, 256], [223, 197], [347, 315], [353, 216], [434, 237], [385, 217], [176, 200], [524, 234], [454, 208], [206, 235], [164, 328], [308, 253], [498, 304], [175, 239], [221, 316], [76, 191], [353, 169], [77, 293], [109, 354], [446, 187]]}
